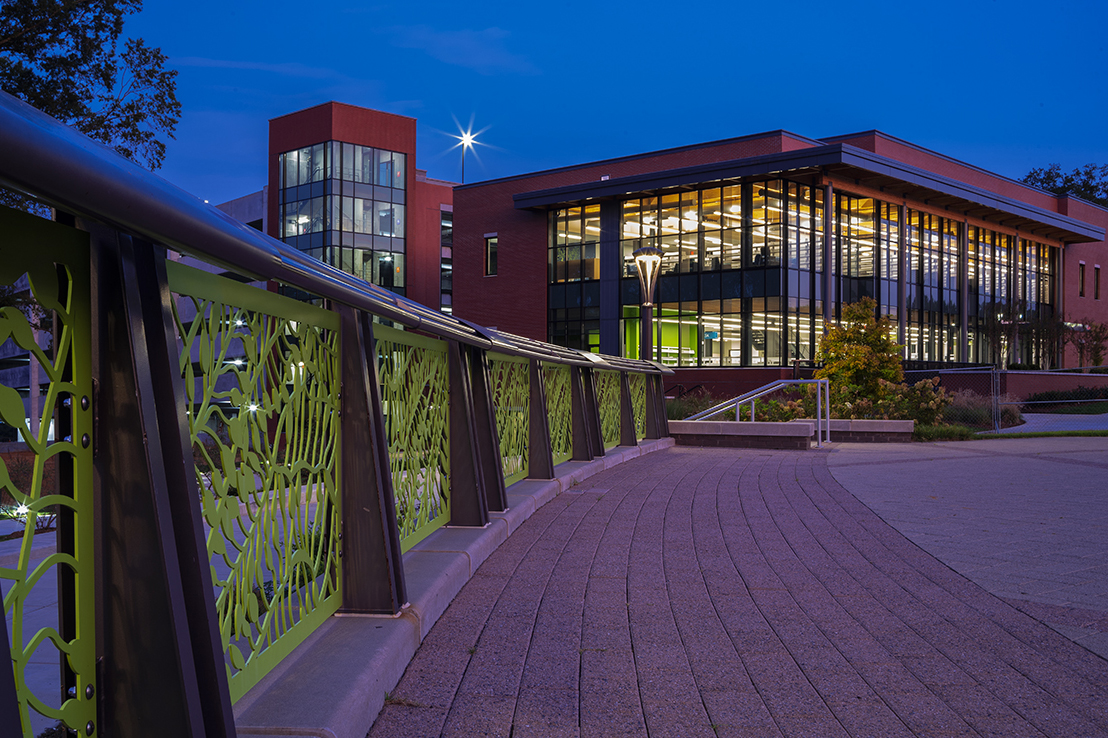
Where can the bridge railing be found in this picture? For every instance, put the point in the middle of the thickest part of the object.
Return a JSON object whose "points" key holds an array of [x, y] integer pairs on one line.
{"points": [[229, 467]]}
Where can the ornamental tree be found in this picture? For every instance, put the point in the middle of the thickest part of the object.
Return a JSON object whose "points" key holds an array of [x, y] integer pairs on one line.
{"points": [[858, 352], [1088, 338], [1089, 182], [65, 57]]}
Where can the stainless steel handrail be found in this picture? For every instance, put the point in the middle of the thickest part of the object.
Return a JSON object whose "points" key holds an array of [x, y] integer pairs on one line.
{"points": [[823, 405], [47, 160]]}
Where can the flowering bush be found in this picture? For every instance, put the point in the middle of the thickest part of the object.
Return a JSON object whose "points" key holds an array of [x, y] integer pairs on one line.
{"points": [[859, 353]]}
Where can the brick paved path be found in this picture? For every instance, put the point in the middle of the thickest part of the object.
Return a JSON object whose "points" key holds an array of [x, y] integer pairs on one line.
{"points": [[704, 592]]}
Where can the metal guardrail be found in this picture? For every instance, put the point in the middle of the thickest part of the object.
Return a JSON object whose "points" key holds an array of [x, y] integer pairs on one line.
{"points": [[823, 405], [232, 466]]}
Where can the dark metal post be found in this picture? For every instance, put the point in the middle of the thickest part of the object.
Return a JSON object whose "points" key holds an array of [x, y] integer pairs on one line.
{"points": [[9, 700], [646, 332], [153, 576], [488, 436], [963, 293], [468, 505], [653, 425], [902, 282], [582, 428], [372, 569], [828, 255], [627, 435], [657, 400], [540, 453], [592, 412]]}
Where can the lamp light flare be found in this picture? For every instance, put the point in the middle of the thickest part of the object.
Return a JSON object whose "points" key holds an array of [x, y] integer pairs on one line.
{"points": [[467, 139], [647, 261]]}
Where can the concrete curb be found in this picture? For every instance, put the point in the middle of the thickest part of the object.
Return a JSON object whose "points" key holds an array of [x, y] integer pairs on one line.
{"points": [[333, 685]]}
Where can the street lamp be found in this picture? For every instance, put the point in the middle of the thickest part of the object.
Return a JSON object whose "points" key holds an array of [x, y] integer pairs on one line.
{"points": [[467, 140], [647, 261]]}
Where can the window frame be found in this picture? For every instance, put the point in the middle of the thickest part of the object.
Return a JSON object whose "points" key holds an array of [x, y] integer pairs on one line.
{"points": [[491, 261]]}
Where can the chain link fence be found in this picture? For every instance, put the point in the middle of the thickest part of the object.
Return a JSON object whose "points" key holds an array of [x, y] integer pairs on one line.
{"points": [[994, 401]]}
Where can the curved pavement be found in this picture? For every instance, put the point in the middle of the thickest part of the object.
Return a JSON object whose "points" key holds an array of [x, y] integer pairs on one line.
{"points": [[705, 592]]}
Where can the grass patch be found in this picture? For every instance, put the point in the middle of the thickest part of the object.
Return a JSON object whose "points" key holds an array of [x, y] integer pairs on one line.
{"points": [[943, 433], [401, 701], [1077, 408], [1043, 434]]}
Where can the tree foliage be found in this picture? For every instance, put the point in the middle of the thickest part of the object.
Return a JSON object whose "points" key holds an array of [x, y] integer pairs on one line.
{"points": [[1089, 182], [1088, 338], [859, 352], [65, 58]]}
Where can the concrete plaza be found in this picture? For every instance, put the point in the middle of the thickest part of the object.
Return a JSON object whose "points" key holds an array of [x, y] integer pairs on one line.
{"points": [[870, 590]]}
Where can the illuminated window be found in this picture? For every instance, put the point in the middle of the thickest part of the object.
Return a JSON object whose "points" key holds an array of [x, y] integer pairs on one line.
{"points": [[490, 256]]}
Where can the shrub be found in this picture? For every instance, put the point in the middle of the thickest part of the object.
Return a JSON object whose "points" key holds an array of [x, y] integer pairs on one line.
{"points": [[682, 407], [943, 433], [976, 411], [859, 353]]}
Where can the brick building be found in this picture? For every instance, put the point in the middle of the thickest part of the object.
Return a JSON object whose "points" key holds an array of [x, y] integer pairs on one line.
{"points": [[970, 265], [343, 186]]}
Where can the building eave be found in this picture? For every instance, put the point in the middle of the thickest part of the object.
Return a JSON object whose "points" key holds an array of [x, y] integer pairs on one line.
{"points": [[849, 162]]}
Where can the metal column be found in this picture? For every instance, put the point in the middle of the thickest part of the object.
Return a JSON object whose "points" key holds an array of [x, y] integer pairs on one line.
{"points": [[372, 569], [627, 435], [488, 437], [155, 585], [963, 293], [468, 503], [540, 454], [828, 255], [902, 281]]}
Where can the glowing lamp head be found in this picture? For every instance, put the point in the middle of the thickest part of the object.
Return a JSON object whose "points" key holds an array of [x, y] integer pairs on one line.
{"points": [[467, 139], [647, 261]]}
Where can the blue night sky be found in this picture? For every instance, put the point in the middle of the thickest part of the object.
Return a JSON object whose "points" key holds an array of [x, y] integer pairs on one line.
{"points": [[1003, 84]]}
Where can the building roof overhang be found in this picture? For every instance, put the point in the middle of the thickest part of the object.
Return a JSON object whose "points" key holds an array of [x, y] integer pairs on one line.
{"points": [[845, 162]]}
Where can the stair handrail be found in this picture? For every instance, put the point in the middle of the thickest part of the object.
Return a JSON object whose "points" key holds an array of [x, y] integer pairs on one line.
{"points": [[823, 405]]}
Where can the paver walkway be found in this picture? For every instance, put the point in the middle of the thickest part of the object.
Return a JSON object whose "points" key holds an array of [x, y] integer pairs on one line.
{"points": [[1026, 518], [704, 592]]}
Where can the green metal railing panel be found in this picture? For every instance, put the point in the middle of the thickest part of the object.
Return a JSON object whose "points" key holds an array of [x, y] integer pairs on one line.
{"points": [[262, 377], [415, 396], [56, 261], [607, 402], [559, 410], [637, 384], [511, 398]]}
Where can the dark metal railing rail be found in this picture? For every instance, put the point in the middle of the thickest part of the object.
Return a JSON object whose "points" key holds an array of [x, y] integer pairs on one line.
{"points": [[231, 467]]}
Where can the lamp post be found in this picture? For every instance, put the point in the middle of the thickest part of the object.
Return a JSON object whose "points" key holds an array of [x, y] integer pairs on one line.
{"points": [[647, 261], [467, 140]]}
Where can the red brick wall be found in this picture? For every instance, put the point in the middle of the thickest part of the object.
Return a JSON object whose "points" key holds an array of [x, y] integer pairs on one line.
{"points": [[724, 382], [901, 151], [424, 240], [515, 299], [1021, 385]]}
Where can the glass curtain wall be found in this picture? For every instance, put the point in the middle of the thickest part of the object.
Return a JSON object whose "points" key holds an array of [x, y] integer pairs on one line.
{"points": [[345, 204], [741, 275], [1011, 295], [574, 275]]}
